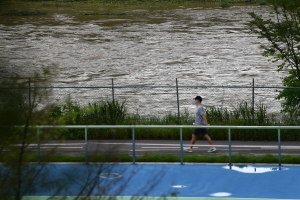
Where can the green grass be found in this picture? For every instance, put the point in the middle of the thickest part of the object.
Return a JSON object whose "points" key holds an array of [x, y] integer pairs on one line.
{"points": [[70, 6], [115, 113], [269, 159], [15, 12]]}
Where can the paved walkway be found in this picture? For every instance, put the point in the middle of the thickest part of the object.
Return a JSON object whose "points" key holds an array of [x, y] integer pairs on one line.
{"points": [[146, 147]]}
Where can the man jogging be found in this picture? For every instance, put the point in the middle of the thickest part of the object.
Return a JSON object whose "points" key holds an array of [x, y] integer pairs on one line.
{"points": [[200, 121]]}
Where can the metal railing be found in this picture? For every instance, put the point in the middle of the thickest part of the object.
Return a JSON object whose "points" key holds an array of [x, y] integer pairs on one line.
{"points": [[180, 127]]}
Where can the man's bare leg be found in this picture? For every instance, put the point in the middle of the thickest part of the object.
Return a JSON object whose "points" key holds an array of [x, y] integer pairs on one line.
{"points": [[206, 136], [212, 148], [193, 140]]}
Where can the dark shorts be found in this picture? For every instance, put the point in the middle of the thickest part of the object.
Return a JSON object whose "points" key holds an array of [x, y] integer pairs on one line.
{"points": [[200, 131]]}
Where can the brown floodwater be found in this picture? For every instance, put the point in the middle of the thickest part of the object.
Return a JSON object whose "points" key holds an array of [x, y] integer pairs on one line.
{"points": [[199, 46]]}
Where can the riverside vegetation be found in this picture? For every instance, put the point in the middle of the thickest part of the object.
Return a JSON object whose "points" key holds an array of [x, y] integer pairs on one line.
{"points": [[104, 7], [111, 113], [115, 113]]}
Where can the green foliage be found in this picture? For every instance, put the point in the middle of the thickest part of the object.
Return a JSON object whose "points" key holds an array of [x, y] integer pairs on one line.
{"points": [[114, 113], [76, 7], [225, 4], [19, 102], [291, 96], [282, 31], [283, 35], [106, 112], [243, 115], [263, 2], [15, 12], [103, 113]]}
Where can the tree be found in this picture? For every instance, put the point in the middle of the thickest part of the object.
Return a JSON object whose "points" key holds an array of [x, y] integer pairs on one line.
{"points": [[19, 101], [23, 105], [282, 31]]}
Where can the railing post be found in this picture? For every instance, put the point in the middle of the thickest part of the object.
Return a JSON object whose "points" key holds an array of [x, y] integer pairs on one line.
{"points": [[181, 147], [113, 89], [178, 110], [253, 87], [86, 146], [279, 148], [39, 146], [29, 94], [229, 147], [223, 96], [133, 147]]}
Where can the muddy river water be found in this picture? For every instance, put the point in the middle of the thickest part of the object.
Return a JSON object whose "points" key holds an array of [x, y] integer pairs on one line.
{"points": [[199, 46]]}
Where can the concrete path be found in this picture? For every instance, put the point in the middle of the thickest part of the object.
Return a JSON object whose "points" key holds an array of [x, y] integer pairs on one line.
{"points": [[146, 147]]}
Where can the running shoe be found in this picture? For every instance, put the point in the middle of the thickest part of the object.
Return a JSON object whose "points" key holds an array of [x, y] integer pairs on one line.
{"points": [[188, 149], [212, 149]]}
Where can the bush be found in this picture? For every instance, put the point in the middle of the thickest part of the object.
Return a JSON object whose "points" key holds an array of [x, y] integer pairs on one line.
{"points": [[243, 115], [291, 97], [225, 5], [102, 113], [27, 13], [115, 113], [263, 2]]}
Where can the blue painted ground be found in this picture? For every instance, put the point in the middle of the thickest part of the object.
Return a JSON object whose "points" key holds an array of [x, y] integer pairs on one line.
{"points": [[187, 180]]}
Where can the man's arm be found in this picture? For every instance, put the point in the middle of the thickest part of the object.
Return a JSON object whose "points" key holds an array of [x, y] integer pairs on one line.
{"points": [[205, 120]]}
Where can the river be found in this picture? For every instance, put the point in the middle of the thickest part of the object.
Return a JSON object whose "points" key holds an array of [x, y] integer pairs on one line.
{"points": [[199, 46]]}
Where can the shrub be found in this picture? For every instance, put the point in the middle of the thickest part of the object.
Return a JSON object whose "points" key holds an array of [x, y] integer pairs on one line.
{"points": [[115, 113], [15, 12]]}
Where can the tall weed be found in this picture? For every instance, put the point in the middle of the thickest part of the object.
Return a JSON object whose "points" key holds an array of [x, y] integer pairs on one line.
{"points": [[115, 113]]}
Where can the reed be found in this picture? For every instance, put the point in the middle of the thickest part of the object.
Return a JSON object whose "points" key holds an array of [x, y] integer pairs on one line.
{"points": [[115, 113]]}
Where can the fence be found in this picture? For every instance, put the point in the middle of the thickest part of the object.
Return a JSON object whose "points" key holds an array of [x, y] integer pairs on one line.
{"points": [[162, 99], [133, 127], [158, 99]]}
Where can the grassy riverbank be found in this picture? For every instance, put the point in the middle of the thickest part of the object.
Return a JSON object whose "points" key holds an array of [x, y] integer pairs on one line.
{"points": [[115, 113], [95, 7]]}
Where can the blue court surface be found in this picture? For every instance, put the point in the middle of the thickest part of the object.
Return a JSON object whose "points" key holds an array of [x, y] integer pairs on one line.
{"points": [[173, 181]]}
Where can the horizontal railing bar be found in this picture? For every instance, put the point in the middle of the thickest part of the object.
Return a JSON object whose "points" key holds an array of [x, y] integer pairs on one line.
{"points": [[146, 86], [161, 126]]}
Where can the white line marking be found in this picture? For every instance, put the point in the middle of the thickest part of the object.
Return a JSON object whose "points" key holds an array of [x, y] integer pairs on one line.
{"points": [[282, 147], [65, 144], [234, 149], [59, 147], [144, 150], [171, 145], [269, 147]]}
